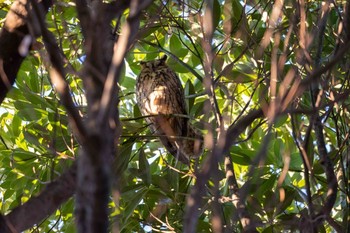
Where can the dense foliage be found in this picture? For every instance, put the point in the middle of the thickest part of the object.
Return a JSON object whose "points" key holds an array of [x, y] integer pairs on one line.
{"points": [[280, 57]]}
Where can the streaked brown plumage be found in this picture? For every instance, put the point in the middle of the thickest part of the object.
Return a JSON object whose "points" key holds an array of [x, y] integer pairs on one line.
{"points": [[160, 94]]}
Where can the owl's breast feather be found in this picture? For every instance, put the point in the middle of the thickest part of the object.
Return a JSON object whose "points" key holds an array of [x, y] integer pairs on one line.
{"points": [[155, 101]]}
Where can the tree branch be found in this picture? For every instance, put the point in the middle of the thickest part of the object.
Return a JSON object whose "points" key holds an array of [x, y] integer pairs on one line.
{"points": [[237, 201], [102, 70], [11, 38], [317, 97], [195, 199], [41, 206]]}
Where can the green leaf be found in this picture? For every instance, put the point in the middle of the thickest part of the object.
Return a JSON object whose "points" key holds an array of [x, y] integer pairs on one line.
{"points": [[287, 199], [242, 156], [216, 13], [123, 157], [296, 162], [144, 168], [189, 90], [133, 201], [176, 47], [281, 121], [137, 112], [31, 114], [21, 156], [128, 82]]}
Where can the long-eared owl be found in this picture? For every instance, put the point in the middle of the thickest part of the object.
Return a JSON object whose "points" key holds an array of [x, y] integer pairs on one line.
{"points": [[160, 97]]}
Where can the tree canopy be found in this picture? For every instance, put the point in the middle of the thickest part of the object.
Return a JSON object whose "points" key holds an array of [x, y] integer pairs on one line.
{"points": [[266, 82]]}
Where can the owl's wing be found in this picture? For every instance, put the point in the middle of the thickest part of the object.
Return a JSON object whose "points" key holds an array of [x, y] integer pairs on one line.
{"points": [[176, 91], [170, 139], [176, 102]]}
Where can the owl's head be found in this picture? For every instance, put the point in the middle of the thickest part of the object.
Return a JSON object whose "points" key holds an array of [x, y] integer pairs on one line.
{"points": [[154, 64]]}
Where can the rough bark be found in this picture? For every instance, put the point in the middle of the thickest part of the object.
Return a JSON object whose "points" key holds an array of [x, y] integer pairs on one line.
{"points": [[11, 38], [102, 69]]}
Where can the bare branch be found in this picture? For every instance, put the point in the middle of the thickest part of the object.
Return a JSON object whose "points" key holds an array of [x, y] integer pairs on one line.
{"points": [[84, 15], [194, 201], [316, 96], [129, 31], [208, 83], [241, 208]]}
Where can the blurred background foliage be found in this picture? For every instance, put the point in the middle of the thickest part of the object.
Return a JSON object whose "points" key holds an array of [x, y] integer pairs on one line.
{"points": [[37, 144]]}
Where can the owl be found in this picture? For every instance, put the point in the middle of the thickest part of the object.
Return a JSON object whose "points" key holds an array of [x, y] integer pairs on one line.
{"points": [[160, 97]]}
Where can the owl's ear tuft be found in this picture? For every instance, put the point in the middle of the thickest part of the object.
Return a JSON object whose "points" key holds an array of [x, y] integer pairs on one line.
{"points": [[163, 59], [143, 64]]}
